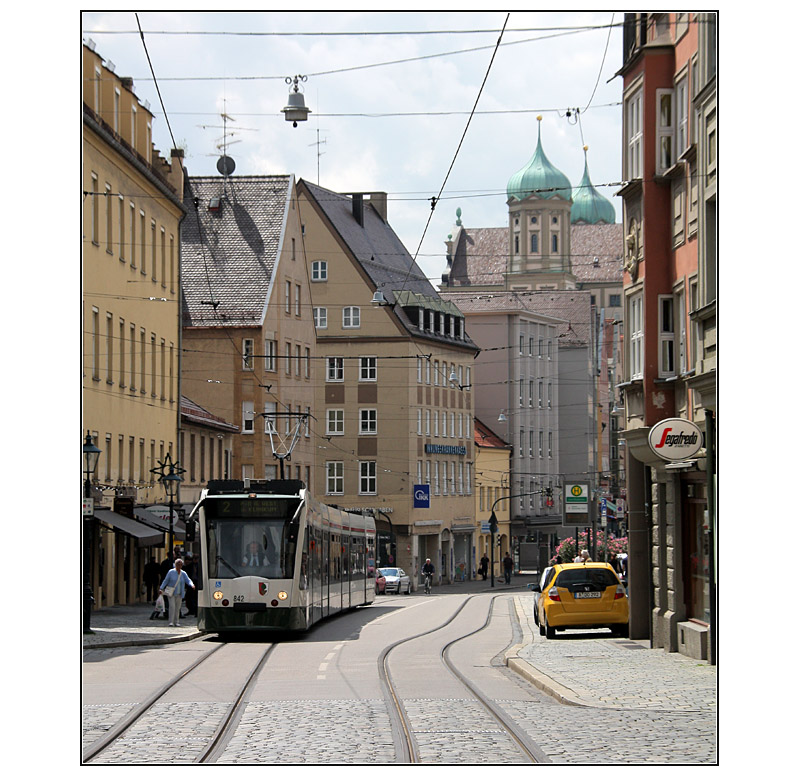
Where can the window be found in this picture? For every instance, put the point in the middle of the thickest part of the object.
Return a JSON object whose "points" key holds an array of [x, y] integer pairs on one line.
{"points": [[419, 422], [297, 300], [614, 300], [335, 422], [109, 220], [665, 130], [636, 337], [335, 371], [427, 422], [307, 372], [248, 346], [633, 135], [368, 368], [367, 480], [351, 317], [319, 271], [320, 317], [247, 417], [287, 357], [334, 478], [95, 211], [287, 294], [682, 116], [121, 227], [368, 421], [680, 300], [535, 243], [270, 408], [666, 336], [270, 355], [554, 245]]}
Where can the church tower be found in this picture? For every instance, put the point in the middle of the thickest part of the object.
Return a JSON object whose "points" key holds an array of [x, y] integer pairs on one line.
{"points": [[539, 206]]}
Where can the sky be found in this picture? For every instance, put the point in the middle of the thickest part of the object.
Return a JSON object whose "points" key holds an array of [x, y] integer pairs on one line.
{"points": [[362, 90]]}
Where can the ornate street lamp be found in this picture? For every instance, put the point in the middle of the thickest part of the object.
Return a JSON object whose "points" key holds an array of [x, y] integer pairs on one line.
{"points": [[91, 455], [169, 476]]}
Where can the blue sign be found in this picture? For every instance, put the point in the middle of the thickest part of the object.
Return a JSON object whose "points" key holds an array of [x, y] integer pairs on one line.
{"points": [[422, 496]]}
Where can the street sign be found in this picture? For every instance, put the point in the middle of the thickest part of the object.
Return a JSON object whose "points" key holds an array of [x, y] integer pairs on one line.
{"points": [[576, 504], [88, 507], [486, 526]]}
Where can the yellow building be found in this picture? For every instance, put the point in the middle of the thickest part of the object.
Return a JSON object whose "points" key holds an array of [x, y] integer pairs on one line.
{"points": [[132, 211], [248, 334], [393, 386], [492, 475]]}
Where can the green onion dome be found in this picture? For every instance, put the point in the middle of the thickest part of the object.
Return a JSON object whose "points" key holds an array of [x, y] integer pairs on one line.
{"points": [[589, 206], [539, 177]]}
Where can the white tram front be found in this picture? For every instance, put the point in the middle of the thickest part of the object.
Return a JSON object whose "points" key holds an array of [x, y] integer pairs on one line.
{"points": [[274, 558]]}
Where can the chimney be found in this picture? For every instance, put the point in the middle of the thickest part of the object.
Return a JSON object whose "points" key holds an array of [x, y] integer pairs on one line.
{"points": [[176, 172], [358, 208], [378, 200]]}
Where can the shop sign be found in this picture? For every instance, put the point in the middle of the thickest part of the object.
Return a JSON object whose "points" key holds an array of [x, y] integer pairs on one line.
{"points": [[422, 496], [675, 439]]}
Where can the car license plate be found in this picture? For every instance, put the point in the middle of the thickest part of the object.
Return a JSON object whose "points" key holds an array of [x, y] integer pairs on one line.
{"points": [[588, 595]]}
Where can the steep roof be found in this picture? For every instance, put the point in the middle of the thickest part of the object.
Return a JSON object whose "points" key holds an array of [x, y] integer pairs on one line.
{"points": [[485, 437], [383, 257], [230, 243]]}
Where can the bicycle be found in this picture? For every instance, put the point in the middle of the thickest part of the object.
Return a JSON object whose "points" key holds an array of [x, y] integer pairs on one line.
{"points": [[427, 583]]}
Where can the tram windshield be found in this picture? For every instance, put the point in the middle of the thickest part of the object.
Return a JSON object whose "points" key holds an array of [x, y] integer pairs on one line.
{"points": [[245, 538]]}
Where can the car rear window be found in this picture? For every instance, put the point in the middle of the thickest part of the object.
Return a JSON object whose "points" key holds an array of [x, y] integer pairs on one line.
{"points": [[599, 578]]}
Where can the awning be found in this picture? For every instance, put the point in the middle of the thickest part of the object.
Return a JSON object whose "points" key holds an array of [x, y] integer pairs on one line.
{"points": [[160, 522], [146, 535]]}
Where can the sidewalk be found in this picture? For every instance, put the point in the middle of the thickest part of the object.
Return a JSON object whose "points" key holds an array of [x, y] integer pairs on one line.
{"points": [[595, 670], [131, 626]]}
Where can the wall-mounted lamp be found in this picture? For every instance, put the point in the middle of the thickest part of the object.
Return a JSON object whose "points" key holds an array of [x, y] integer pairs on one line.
{"points": [[502, 417], [296, 109], [378, 299]]}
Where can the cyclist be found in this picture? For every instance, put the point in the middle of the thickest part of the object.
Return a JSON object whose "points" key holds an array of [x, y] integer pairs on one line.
{"points": [[427, 572]]}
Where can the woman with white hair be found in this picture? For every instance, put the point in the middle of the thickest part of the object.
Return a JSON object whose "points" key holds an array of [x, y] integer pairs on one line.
{"points": [[174, 587], [583, 557]]}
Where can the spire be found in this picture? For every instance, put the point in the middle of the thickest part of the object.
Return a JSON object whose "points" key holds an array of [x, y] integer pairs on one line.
{"points": [[589, 206], [539, 177]]}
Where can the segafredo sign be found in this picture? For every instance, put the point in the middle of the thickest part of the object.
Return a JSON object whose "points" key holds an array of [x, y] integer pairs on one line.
{"points": [[675, 439]]}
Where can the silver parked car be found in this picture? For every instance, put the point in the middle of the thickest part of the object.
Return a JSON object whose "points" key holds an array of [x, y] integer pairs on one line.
{"points": [[397, 581]]}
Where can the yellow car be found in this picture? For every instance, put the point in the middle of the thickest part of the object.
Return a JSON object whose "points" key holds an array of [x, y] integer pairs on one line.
{"points": [[580, 595]]}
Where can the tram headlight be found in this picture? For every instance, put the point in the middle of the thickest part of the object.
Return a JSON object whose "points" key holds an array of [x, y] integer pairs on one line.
{"points": [[217, 595], [283, 595]]}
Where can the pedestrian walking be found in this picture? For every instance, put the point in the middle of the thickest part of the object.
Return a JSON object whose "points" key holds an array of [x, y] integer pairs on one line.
{"points": [[583, 557], [174, 587], [484, 566], [151, 578], [614, 563], [190, 567], [508, 567]]}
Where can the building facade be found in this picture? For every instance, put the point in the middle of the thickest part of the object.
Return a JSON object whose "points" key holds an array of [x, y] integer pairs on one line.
{"points": [[537, 294], [393, 387], [669, 201], [492, 492], [248, 332], [132, 214]]}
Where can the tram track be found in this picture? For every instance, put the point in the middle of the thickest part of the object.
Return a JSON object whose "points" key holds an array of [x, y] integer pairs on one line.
{"points": [[216, 741], [405, 738]]}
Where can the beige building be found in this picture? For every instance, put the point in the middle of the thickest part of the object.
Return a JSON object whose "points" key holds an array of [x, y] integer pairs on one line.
{"points": [[492, 478], [248, 333], [131, 334], [393, 386]]}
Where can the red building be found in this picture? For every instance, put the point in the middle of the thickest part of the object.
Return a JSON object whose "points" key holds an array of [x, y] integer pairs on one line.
{"points": [[669, 341]]}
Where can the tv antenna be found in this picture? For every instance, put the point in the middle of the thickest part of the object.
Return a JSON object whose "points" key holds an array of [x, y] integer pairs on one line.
{"points": [[318, 143], [225, 164]]}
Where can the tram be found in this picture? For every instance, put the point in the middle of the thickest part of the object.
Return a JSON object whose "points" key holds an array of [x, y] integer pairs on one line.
{"points": [[273, 558]]}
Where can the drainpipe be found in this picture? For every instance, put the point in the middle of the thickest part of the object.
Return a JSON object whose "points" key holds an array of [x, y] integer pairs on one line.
{"points": [[711, 466]]}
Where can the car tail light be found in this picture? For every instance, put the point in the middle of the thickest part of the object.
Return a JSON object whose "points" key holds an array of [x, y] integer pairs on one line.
{"points": [[620, 592], [553, 594]]}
